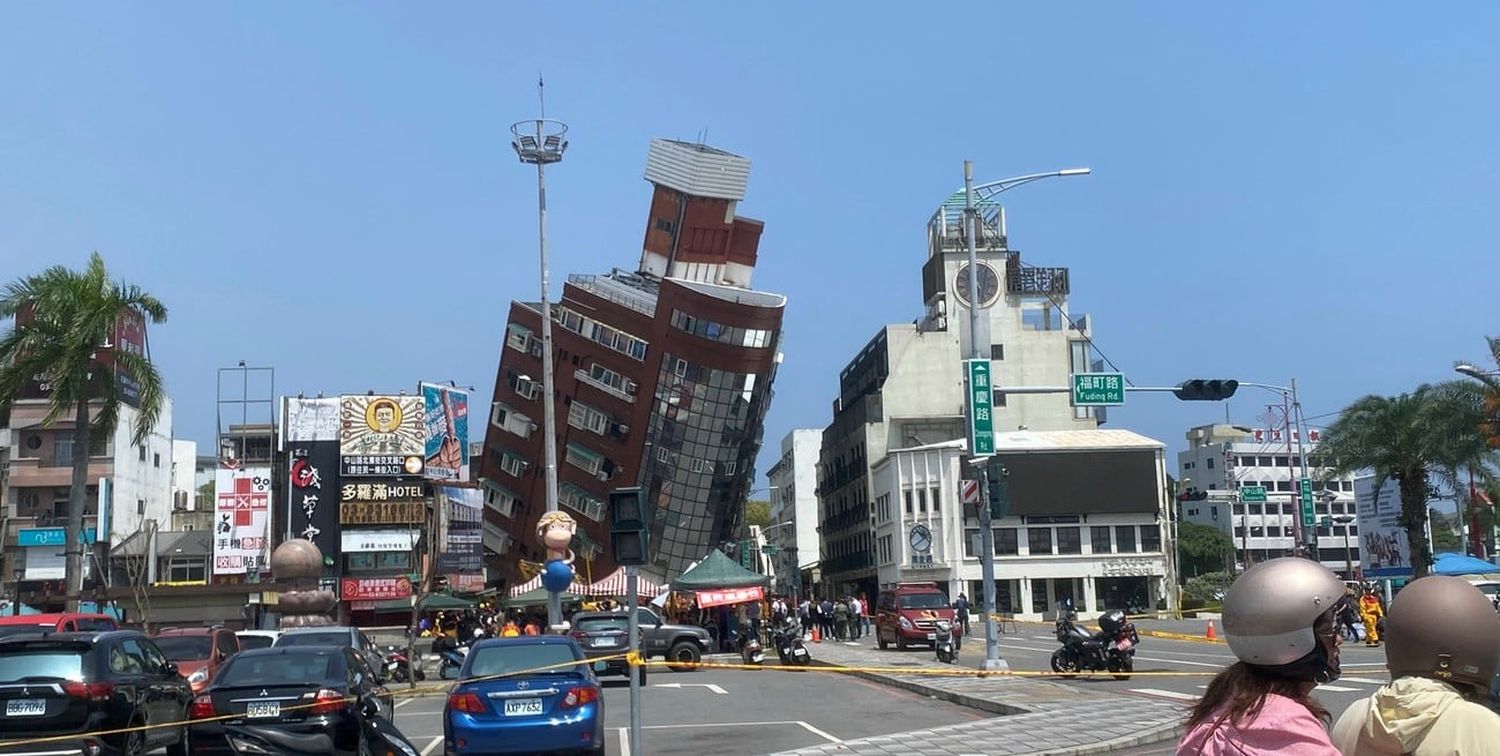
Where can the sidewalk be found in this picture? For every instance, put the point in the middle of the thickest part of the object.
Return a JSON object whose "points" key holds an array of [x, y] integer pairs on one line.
{"points": [[1039, 716]]}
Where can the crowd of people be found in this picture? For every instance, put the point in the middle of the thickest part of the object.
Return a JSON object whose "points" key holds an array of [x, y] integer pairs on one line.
{"points": [[1282, 621]]}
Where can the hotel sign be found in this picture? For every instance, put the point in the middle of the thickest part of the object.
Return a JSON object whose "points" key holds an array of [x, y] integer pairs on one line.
{"points": [[382, 512]]}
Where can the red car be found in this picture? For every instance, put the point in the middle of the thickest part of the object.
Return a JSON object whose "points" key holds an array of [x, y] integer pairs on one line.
{"points": [[198, 652]]}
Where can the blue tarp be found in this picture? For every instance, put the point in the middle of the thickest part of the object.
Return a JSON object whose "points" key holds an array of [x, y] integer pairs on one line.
{"points": [[1450, 563], [88, 607], [7, 609]]}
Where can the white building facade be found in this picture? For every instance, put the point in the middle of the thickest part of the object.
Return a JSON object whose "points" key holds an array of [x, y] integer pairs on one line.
{"points": [[1221, 460], [1099, 544], [793, 533]]}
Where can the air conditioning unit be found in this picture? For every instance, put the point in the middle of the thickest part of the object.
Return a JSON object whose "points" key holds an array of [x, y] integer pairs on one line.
{"points": [[604, 476], [622, 429]]}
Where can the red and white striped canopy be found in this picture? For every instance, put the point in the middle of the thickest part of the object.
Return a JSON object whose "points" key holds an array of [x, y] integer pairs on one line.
{"points": [[614, 585], [536, 582]]}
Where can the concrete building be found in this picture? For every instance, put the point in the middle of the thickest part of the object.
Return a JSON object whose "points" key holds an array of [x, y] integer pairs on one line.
{"points": [[1222, 459], [1087, 521], [793, 533], [905, 388], [663, 379]]}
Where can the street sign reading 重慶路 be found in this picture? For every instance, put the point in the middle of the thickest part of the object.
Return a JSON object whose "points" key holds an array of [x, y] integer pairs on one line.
{"points": [[1253, 494], [1307, 503], [981, 408], [1098, 389]]}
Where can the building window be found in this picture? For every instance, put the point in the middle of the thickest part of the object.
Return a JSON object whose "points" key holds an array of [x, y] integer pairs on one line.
{"points": [[584, 459], [1039, 540], [500, 499], [1247, 461], [156, 460], [518, 337], [1239, 532], [997, 351], [142, 450], [581, 501], [187, 569], [1266, 461], [906, 495], [524, 386], [1210, 463], [587, 418], [1125, 538], [1005, 542], [62, 448], [1150, 538], [1069, 541], [1281, 461], [1099, 535], [140, 506], [513, 464], [922, 500]]}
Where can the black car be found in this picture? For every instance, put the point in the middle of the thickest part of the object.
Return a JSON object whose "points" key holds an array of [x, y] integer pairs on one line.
{"points": [[337, 635], [69, 686], [298, 700], [605, 634]]}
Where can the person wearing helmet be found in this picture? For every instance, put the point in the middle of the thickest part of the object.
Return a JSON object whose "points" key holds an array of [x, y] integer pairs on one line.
{"points": [[1371, 612], [1279, 621], [1442, 646]]}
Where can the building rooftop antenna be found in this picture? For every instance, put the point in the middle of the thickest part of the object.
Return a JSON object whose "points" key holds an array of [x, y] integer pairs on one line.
{"points": [[541, 96]]}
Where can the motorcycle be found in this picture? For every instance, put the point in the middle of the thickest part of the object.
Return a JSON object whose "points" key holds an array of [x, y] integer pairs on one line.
{"points": [[1112, 649], [450, 658], [398, 668], [787, 639], [751, 652], [943, 644]]}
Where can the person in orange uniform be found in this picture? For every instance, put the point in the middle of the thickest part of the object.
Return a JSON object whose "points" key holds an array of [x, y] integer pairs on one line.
{"points": [[1370, 612]]}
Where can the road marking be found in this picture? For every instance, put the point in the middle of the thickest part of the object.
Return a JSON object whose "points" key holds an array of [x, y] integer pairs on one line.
{"points": [[624, 741], [1363, 681], [403, 702], [1337, 689], [1180, 661], [432, 746], [710, 686], [1165, 694], [819, 733]]}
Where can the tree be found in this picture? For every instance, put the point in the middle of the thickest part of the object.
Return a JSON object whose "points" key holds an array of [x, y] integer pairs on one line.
{"points": [[63, 323], [1409, 438], [1444, 531], [1202, 548], [758, 512]]}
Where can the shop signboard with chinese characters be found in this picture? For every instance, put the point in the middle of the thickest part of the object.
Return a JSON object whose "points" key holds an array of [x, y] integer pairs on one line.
{"points": [[382, 503], [381, 436], [727, 596], [312, 443], [241, 517], [445, 423], [375, 589], [378, 540]]}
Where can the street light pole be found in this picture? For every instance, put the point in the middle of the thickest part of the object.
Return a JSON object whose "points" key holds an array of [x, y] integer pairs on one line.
{"points": [[541, 142], [977, 351]]}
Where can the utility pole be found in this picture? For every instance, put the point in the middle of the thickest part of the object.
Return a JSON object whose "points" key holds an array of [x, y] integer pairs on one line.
{"points": [[541, 142], [992, 660]]}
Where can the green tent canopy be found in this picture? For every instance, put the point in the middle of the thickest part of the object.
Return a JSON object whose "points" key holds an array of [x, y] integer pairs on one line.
{"points": [[431, 603], [538, 597], [718, 571]]}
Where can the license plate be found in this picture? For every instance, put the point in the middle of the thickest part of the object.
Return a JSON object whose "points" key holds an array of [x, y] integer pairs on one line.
{"points": [[262, 709], [25, 707], [1125, 644], [603, 642], [522, 707], [932, 636], [799, 652]]}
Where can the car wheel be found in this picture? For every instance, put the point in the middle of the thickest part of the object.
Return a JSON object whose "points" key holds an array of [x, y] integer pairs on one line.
{"points": [[683, 654], [134, 743], [880, 641], [900, 642], [180, 748]]}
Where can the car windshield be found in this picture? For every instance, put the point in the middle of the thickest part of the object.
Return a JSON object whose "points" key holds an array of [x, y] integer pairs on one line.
{"points": [[296, 668], [248, 642], [603, 624], [185, 647], [17, 665], [529, 657], [8, 630], [314, 639], [924, 601]]}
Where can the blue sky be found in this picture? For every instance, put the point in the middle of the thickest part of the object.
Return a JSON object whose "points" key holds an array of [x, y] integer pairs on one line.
{"points": [[1280, 190]]}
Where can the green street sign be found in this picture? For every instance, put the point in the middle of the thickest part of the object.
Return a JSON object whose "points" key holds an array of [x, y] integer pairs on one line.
{"points": [[981, 408], [769, 549], [1253, 494], [1098, 389], [1307, 503]]}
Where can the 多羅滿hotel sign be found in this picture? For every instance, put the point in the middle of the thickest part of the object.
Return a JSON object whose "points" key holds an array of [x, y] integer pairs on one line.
{"points": [[382, 512]]}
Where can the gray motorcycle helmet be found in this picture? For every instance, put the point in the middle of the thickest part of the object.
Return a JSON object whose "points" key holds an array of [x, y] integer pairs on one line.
{"points": [[1269, 615]]}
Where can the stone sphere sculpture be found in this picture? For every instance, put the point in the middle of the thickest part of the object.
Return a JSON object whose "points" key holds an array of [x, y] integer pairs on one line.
{"points": [[296, 566]]}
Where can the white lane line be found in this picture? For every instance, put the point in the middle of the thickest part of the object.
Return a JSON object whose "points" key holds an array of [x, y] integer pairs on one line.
{"points": [[432, 746], [1165, 694], [819, 733], [624, 741], [399, 704], [1180, 661], [1337, 689], [1363, 681]]}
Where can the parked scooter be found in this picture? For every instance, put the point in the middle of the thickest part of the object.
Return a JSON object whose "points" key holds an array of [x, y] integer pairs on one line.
{"points": [[945, 644], [1111, 649], [399, 668], [787, 638], [751, 652], [450, 657]]}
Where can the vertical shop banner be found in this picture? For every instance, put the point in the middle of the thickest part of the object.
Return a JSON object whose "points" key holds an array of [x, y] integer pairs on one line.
{"points": [[1384, 550], [241, 516], [446, 432], [313, 494], [312, 419], [381, 436], [463, 531]]}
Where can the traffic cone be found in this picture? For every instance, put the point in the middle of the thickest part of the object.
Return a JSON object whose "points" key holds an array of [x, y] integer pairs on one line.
{"points": [[817, 637], [1211, 634]]}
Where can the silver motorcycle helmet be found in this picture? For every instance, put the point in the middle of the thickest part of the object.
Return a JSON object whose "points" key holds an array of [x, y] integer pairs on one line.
{"points": [[1269, 616]]}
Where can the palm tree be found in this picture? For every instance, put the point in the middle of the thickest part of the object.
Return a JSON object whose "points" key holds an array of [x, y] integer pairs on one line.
{"points": [[1410, 438], [64, 320]]}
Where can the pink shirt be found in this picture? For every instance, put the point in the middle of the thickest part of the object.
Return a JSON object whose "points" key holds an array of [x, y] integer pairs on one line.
{"points": [[1283, 727]]}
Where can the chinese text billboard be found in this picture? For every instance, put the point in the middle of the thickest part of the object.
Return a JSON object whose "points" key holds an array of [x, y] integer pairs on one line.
{"points": [[241, 516]]}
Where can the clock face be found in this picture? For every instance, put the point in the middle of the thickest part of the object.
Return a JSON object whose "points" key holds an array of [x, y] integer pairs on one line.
{"points": [[989, 285], [921, 539]]}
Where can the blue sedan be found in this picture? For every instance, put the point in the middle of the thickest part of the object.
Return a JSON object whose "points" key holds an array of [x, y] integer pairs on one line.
{"points": [[502, 704]]}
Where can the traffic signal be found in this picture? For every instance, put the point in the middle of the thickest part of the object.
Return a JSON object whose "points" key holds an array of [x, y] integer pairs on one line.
{"points": [[627, 527], [1201, 390], [998, 493]]}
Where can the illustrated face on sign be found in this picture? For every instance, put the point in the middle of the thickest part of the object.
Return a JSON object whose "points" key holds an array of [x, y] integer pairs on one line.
{"points": [[383, 416]]}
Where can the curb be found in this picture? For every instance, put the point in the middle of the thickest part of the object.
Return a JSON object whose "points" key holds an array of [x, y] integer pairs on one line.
{"points": [[1147, 737], [961, 699]]}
